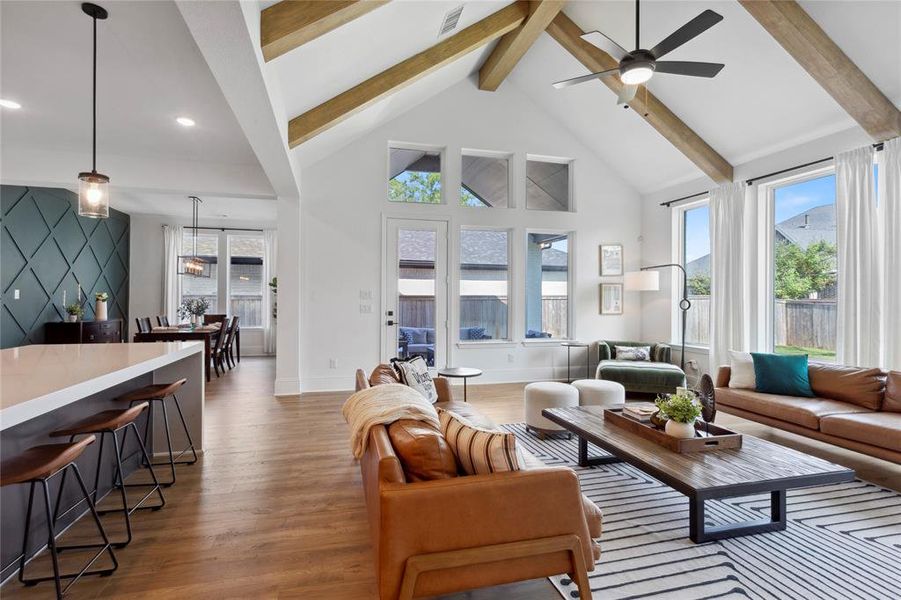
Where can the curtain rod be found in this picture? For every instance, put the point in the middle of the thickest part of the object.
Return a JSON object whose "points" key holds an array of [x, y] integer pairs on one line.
{"points": [[220, 228], [878, 148]]}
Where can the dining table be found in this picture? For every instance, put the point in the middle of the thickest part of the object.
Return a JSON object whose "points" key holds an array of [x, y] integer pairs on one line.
{"points": [[208, 334]]}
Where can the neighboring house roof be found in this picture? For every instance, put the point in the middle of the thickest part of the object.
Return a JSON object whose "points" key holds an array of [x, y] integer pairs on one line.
{"points": [[483, 247], [809, 227]]}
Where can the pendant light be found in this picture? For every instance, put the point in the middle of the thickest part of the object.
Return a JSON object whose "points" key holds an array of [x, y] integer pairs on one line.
{"points": [[191, 264], [93, 187]]}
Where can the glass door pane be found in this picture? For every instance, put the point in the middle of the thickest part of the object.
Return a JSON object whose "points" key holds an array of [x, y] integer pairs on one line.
{"points": [[416, 315]]}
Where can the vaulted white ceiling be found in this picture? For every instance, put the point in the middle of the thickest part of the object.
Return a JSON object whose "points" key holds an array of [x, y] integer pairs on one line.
{"points": [[762, 102]]}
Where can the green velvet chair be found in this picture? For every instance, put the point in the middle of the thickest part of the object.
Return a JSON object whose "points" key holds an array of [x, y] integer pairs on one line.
{"points": [[657, 376]]}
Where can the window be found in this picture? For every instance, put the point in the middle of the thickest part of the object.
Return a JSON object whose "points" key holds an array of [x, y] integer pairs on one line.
{"points": [[202, 287], [414, 176], [484, 181], [484, 284], [695, 258], [547, 184], [245, 279], [547, 285], [804, 268]]}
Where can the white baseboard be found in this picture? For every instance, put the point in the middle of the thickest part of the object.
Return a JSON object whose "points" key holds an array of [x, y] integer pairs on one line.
{"points": [[286, 387]]}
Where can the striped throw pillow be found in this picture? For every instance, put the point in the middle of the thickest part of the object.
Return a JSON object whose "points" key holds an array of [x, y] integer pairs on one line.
{"points": [[479, 451]]}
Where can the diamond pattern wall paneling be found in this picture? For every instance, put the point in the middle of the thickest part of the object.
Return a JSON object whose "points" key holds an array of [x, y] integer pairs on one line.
{"points": [[45, 248]]}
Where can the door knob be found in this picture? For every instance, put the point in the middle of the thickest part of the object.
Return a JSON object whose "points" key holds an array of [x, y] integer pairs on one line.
{"points": [[389, 322]]}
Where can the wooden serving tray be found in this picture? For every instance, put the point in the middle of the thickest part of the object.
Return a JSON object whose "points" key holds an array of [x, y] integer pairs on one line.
{"points": [[719, 438]]}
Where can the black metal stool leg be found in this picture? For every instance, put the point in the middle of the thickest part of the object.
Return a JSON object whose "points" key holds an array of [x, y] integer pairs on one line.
{"points": [[51, 539], [187, 433], [120, 476], [157, 486], [59, 498], [107, 546], [168, 441], [23, 561]]}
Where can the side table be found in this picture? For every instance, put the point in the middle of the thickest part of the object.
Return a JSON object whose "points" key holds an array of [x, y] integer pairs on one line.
{"points": [[463, 372]]}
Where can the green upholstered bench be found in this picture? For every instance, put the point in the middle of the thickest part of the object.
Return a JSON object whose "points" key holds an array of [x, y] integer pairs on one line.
{"points": [[656, 376]]}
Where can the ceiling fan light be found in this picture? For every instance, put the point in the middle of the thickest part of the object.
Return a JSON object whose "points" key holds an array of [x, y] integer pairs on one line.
{"points": [[636, 75]]}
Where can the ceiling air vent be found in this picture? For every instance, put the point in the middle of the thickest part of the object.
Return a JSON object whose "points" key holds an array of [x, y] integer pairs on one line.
{"points": [[450, 20]]}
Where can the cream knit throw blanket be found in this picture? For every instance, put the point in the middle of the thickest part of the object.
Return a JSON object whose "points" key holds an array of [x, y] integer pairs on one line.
{"points": [[383, 404]]}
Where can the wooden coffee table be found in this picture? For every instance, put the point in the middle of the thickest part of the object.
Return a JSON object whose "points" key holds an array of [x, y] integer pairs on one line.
{"points": [[757, 467]]}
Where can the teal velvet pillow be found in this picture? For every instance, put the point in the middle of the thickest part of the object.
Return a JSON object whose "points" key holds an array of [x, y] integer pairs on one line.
{"points": [[784, 374]]}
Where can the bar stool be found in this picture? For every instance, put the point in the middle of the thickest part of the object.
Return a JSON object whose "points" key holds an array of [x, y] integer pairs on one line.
{"points": [[38, 465], [111, 422], [158, 392]]}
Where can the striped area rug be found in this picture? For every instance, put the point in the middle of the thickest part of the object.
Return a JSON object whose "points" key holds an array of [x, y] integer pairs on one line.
{"points": [[843, 541]]}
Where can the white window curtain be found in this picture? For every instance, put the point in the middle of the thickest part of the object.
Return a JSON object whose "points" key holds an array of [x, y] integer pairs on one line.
{"points": [[729, 290], [172, 236], [270, 260], [859, 285], [890, 208]]}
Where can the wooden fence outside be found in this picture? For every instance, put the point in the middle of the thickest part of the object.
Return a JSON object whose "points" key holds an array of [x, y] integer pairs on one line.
{"points": [[489, 312], [804, 323]]}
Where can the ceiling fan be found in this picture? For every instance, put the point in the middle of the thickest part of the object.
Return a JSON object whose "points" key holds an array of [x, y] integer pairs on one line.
{"points": [[638, 66]]}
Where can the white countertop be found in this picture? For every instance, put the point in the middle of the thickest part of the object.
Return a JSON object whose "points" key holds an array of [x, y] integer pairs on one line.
{"points": [[37, 379]]}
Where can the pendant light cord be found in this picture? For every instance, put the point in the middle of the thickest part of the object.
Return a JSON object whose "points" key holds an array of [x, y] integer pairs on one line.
{"points": [[637, 23], [94, 101]]}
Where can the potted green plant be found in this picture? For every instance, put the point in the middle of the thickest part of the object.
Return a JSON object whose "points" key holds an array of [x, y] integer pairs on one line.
{"points": [[273, 285], [100, 299], [74, 312], [194, 309], [681, 410]]}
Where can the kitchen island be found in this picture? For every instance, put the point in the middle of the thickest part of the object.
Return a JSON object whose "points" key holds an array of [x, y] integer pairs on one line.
{"points": [[45, 387]]}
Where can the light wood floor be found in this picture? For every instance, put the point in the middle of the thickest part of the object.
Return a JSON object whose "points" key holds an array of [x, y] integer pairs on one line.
{"points": [[275, 508]]}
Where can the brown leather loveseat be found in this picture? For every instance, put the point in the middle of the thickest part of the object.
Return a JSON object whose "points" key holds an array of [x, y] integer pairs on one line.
{"points": [[855, 408], [448, 535]]}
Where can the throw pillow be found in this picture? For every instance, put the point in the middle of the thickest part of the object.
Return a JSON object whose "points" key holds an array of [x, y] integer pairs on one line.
{"points": [[742, 370], [415, 373], [423, 451], [478, 451], [633, 353], [782, 374], [405, 335]]}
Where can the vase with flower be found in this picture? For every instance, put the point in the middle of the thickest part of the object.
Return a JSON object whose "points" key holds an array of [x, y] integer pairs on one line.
{"points": [[680, 410]]}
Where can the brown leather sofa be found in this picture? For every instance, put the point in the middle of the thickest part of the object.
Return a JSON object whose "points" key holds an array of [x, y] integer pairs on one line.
{"points": [[855, 408], [448, 535]]}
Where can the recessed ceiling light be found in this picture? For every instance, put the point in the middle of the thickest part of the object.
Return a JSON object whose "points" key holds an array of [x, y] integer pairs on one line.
{"points": [[10, 104], [185, 122]]}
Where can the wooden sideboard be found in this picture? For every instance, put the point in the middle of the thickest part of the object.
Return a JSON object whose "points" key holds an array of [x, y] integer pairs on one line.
{"points": [[83, 332]]}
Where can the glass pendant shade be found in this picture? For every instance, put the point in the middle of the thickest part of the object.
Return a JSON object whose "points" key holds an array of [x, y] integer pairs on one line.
{"points": [[93, 195], [194, 266]]}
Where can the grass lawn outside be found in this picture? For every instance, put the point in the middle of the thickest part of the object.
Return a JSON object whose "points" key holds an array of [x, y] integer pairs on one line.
{"points": [[819, 354]]}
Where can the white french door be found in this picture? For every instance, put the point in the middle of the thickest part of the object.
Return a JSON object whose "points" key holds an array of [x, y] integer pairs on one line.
{"points": [[416, 287]]}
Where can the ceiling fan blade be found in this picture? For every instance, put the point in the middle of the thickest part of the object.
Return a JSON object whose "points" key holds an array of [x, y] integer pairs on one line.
{"points": [[627, 94], [582, 79], [606, 44], [692, 69], [687, 32]]}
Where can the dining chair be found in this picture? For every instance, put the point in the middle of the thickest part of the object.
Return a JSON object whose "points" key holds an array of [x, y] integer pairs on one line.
{"points": [[162, 321], [144, 325], [229, 342], [214, 318], [216, 352]]}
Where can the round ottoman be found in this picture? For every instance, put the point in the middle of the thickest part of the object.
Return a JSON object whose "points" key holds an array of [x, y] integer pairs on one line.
{"points": [[598, 392], [547, 394]]}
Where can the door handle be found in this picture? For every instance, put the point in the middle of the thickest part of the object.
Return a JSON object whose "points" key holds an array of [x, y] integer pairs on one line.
{"points": [[389, 323]]}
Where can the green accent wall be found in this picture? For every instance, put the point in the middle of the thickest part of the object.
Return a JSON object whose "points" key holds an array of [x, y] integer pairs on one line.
{"points": [[45, 248]]}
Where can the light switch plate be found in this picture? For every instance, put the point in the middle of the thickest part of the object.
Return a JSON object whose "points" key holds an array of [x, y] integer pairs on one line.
{"points": [[15, 294]]}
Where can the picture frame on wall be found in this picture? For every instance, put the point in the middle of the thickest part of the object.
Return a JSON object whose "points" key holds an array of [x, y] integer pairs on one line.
{"points": [[611, 260], [611, 298]]}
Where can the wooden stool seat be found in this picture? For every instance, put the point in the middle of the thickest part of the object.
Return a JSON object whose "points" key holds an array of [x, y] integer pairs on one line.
{"points": [[154, 391], [107, 420], [40, 462]]}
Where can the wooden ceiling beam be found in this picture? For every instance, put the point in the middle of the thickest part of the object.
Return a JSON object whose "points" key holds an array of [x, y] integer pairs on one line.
{"points": [[330, 113], [815, 51], [292, 23], [513, 46], [645, 104]]}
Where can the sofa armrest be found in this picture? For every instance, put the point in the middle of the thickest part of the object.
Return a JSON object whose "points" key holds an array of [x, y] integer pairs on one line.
{"points": [[477, 510], [360, 381], [604, 352], [723, 375], [443, 387]]}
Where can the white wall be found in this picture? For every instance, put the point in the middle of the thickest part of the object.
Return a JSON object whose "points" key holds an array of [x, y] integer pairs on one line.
{"points": [[345, 202], [145, 284], [657, 229]]}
